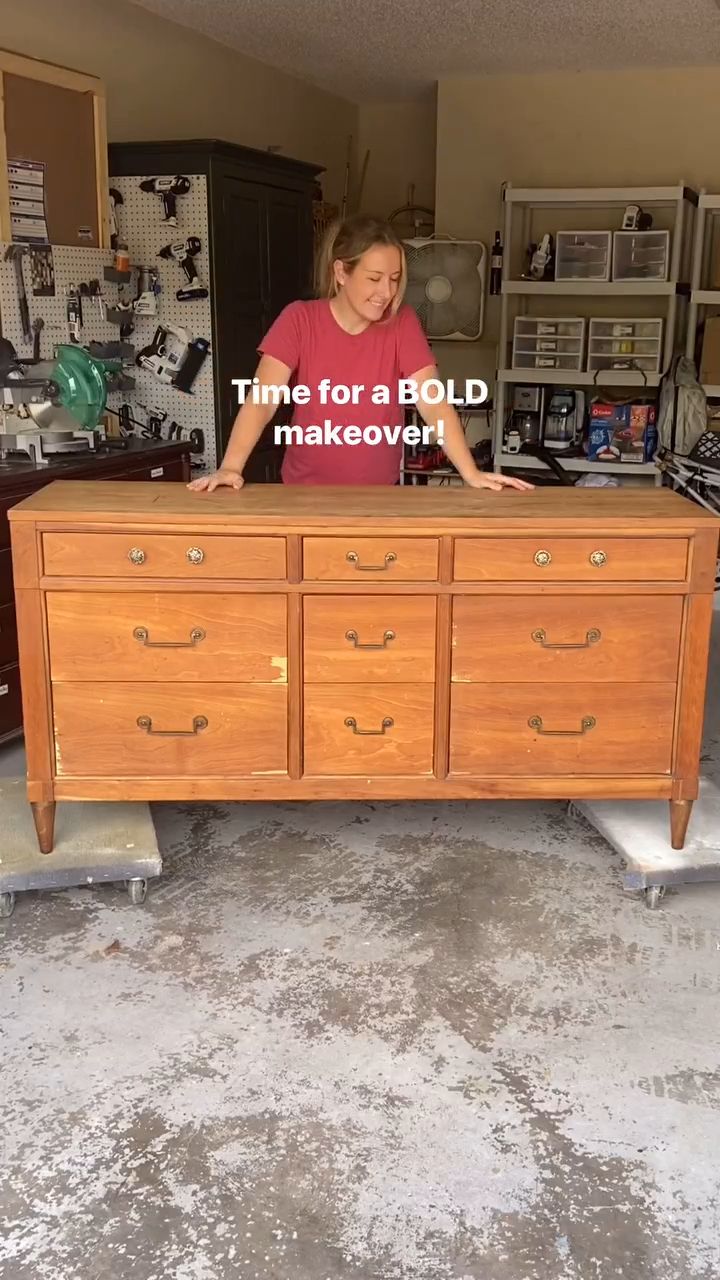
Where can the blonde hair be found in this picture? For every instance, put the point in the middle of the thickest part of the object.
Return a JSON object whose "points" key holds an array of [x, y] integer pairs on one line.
{"points": [[346, 241]]}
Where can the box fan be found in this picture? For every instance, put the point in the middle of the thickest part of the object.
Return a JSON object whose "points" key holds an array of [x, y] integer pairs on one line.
{"points": [[446, 287]]}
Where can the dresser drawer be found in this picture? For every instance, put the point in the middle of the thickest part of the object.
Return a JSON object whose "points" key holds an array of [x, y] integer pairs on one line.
{"points": [[10, 700], [162, 555], [566, 638], [8, 635], [571, 559], [378, 731], [385, 559], [580, 729], [196, 730], [145, 635], [363, 638]]}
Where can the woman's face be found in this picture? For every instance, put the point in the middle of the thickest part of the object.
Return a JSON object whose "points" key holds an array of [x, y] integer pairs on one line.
{"points": [[373, 283]]}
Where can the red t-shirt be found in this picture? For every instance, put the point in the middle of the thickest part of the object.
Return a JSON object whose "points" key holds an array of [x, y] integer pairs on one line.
{"points": [[307, 337]]}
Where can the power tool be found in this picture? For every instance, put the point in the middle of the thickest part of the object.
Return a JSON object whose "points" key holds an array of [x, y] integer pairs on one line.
{"points": [[168, 189], [173, 356], [148, 288], [53, 406], [183, 251]]}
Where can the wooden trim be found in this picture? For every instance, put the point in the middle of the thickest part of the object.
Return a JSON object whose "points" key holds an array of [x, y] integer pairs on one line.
{"points": [[703, 560], [332, 588], [295, 685], [5, 225], [102, 177], [443, 687], [294, 558], [692, 685], [50, 72], [36, 691], [353, 788]]}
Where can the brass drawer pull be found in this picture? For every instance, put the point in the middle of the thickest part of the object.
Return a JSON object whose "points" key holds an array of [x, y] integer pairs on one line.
{"points": [[199, 723], [136, 556], [592, 637], [351, 723], [352, 636], [195, 555], [598, 558], [354, 558], [588, 722], [142, 634], [542, 558]]}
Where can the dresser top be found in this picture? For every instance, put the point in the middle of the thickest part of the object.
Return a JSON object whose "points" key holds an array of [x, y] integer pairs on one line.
{"points": [[427, 508]]}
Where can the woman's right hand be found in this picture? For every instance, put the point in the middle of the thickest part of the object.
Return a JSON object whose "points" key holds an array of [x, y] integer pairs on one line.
{"points": [[223, 476]]}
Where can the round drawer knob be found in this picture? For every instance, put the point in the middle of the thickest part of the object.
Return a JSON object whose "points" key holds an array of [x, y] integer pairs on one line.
{"points": [[136, 556], [598, 558], [195, 555], [542, 558]]}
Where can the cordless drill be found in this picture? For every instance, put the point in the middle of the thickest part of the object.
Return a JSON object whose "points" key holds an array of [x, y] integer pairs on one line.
{"points": [[183, 251], [168, 189]]}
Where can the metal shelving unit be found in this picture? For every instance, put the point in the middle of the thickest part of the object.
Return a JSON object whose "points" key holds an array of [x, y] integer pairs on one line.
{"points": [[519, 205], [707, 212]]}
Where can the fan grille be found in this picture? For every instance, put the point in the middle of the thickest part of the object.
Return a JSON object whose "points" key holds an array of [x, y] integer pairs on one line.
{"points": [[446, 285]]}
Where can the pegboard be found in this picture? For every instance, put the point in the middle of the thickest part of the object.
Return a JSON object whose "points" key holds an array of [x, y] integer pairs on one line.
{"points": [[71, 265], [141, 227]]}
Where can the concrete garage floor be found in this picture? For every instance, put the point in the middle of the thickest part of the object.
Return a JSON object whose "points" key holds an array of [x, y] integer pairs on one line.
{"points": [[378, 1042]]}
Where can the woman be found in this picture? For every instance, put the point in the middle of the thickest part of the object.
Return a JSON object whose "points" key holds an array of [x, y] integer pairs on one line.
{"points": [[357, 334]]}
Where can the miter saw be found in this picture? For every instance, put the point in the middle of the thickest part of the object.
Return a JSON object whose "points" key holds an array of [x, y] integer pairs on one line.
{"points": [[53, 406]]}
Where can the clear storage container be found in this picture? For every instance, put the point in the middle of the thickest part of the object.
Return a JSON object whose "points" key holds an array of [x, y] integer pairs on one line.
{"points": [[583, 255], [625, 344], [548, 342], [641, 255]]}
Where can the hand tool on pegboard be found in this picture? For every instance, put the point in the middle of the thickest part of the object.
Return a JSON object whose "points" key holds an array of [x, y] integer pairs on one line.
{"points": [[15, 254]]}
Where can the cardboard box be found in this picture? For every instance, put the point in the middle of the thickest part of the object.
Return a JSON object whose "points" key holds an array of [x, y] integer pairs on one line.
{"points": [[622, 433], [710, 358]]}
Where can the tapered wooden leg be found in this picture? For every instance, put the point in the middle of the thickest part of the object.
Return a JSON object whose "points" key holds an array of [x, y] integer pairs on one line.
{"points": [[680, 811], [44, 816]]}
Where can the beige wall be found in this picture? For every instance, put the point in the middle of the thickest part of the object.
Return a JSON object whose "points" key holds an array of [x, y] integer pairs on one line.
{"points": [[401, 140], [564, 129], [164, 81]]}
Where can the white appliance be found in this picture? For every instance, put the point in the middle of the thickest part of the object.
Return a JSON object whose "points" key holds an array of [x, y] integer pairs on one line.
{"points": [[446, 287]]}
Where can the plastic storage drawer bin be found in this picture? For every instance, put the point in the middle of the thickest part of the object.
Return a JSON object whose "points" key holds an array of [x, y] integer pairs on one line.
{"points": [[641, 255], [549, 342], [583, 255], [625, 344]]}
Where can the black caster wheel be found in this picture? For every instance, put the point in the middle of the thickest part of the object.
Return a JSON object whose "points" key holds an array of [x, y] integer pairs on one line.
{"points": [[653, 894], [7, 905], [137, 891]]}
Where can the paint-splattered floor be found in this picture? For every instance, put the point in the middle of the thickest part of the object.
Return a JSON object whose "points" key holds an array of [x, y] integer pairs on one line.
{"points": [[389, 1042]]}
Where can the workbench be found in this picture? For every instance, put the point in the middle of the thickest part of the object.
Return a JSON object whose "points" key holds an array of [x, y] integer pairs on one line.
{"points": [[347, 643]]}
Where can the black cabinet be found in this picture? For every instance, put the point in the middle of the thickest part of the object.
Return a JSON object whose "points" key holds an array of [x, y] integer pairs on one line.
{"points": [[260, 245]]}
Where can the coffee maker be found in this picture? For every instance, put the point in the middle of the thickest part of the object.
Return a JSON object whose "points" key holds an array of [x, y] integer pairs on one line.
{"points": [[564, 420], [525, 425]]}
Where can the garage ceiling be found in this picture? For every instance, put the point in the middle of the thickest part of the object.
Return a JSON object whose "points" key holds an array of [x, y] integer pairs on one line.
{"points": [[386, 50]]}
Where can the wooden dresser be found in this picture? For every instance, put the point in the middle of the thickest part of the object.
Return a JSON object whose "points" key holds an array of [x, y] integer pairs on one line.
{"points": [[289, 643]]}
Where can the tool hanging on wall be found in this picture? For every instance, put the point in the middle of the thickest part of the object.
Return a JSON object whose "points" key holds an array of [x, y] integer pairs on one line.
{"points": [[148, 287], [37, 326], [173, 356], [15, 254], [168, 189], [74, 312], [183, 251]]}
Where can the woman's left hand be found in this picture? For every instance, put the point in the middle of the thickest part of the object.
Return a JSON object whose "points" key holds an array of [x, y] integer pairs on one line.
{"points": [[496, 481]]}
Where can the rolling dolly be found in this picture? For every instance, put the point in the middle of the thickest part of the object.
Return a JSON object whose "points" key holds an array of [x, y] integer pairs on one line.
{"points": [[95, 843], [638, 832]]}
